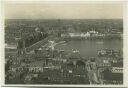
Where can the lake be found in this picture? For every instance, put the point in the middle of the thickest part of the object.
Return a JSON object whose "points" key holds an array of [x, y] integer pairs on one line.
{"points": [[88, 48]]}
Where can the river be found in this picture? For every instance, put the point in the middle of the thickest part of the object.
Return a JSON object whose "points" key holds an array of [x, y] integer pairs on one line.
{"points": [[88, 48]]}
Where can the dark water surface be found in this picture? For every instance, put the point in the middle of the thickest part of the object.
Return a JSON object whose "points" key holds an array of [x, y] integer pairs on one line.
{"points": [[88, 48]]}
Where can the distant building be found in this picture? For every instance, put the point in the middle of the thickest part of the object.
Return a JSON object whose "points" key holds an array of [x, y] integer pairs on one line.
{"points": [[83, 35]]}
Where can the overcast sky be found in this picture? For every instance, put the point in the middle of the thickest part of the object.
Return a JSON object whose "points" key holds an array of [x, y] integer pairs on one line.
{"points": [[63, 11]]}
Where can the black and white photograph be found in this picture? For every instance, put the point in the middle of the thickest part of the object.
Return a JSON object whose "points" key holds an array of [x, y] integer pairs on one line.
{"points": [[63, 43]]}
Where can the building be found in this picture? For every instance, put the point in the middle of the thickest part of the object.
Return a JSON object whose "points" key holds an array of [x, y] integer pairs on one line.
{"points": [[92, 71]]}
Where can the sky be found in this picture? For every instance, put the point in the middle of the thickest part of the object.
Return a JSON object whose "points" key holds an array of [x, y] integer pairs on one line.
{"points": [[63, 10]]}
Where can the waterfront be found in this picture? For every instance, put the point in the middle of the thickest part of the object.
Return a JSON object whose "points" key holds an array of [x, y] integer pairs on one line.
{"points": [[88, 48], [49, 54]]}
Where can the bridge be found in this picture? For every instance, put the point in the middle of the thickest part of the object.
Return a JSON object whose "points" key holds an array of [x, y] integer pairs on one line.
{"points": [[37, 44], [41, 43]]}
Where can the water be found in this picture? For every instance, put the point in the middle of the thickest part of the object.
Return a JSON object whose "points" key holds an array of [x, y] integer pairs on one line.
{"points": [[88, 48]]}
